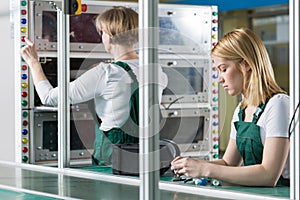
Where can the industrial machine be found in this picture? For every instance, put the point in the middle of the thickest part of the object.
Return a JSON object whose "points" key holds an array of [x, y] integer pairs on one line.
{"points": [[189, 105]]}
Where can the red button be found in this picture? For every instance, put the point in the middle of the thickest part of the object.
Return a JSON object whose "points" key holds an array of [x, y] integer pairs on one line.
{"points": [[25, 123], [24, 94], [24, 67], [24, 149], [83, 7]]}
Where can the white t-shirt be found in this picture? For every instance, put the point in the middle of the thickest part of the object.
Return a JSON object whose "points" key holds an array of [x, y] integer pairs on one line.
{"points": [[109, 85], [273, 122]]}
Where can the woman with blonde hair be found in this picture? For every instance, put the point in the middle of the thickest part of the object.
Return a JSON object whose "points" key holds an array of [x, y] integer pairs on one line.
{"points": [[258, 149], [109, 85]]}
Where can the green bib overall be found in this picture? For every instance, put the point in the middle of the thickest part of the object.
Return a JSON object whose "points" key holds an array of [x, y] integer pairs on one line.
{"points": [[249, 142], [248, 138], [127, 134]]}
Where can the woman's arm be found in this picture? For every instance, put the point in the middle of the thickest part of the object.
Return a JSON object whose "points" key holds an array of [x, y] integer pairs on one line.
{"points": [[81, 90], [265, 174]]}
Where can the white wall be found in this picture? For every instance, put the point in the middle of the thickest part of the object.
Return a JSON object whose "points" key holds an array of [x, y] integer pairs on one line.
{"points": [[7, 92]]}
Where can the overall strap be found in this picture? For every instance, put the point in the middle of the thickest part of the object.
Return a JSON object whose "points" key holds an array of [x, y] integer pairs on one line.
{"points": [[257, 113], [134, 99], [241, 112], [127, 68], [259, 110]]}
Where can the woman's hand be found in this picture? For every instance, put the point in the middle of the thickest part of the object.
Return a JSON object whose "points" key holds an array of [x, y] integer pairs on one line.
{"points": [[189, 166], [30, 56], [29, 53]]}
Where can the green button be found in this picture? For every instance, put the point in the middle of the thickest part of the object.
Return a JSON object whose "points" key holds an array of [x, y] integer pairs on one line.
{"points": [[25, 114], [24, 103], [25, 158]]}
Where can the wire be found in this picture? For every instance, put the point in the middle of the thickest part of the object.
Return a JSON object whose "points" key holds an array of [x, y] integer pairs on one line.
{"points": [[174, 101], [293, 118]]}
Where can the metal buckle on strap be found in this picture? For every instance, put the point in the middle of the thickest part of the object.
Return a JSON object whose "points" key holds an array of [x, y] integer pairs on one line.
{"points": [[258, 111]]}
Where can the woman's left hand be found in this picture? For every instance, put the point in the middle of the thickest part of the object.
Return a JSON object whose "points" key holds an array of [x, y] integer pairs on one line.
{"points": [[29, 53], [190, 167]]}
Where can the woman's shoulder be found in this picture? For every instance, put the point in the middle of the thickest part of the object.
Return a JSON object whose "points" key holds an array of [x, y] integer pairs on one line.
{"points": [[112, 65], [279, 101], [280, 98], [108, 67], [105, 65]]}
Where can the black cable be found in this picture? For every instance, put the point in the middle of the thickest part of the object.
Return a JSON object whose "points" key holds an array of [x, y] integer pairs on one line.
{"points": [[174, 101], [293, 118]]}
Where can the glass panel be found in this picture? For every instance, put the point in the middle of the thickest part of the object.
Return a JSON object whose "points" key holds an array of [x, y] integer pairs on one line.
{"points": [[190, 122]]}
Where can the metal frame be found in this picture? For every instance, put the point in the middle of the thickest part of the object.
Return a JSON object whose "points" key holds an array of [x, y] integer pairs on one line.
{"points": [[149, 181], [149, 139], [294, 8]]}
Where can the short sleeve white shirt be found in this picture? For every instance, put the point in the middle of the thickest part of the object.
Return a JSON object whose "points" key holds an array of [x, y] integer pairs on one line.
{"points": [[273, 122]]}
